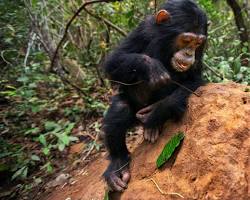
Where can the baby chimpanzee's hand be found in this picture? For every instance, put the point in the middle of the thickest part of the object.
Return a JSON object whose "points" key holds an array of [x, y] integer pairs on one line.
{"points": [[145, 113], [157, 74], [149, 134]]}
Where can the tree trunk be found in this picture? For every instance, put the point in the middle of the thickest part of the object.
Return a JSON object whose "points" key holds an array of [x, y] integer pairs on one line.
{"points": [[239, 20]]}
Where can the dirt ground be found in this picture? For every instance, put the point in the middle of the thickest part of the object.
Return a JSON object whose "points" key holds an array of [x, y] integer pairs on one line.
{"points": [[211, 164]]}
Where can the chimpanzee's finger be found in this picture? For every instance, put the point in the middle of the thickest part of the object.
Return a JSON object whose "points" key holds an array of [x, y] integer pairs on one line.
{"points": [[145, 110], [116, 184], [125, 176], [145, 134], [121, 183], [142, 118]]}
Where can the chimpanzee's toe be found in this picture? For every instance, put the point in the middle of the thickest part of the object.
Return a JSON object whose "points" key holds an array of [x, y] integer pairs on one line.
{"points": [[117, 176], [116, 183]]}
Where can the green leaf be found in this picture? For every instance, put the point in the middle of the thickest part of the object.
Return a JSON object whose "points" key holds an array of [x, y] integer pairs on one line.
{"points": [[70, 126], [23, 79], [65, 139], [236, 66], [50, 125], [61, 147], [42, 140], [36, 108], [35, 158], [32, 131], [106, 197], [20, 173], [46, 151], [169, 149], [3, 167], [48, 167], [73, 138]]}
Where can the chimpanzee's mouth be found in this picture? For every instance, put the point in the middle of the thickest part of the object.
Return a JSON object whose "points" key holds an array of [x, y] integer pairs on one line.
{"points": [[179, 65]]}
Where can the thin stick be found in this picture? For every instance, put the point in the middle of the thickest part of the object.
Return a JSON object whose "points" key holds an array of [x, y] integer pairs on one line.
{"points": [[184, 87], [126, 164], [212, 70], [91, 148], [139, 82], [165, 193], [127, 84]]}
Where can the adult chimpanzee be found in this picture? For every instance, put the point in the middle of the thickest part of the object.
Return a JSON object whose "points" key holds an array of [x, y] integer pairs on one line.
{"points": [[167, 46]]}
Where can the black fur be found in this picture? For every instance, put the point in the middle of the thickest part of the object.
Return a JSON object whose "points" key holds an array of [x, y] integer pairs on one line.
{"points": [[128, 64]]}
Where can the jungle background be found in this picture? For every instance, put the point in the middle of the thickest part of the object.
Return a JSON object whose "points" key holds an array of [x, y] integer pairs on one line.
{"points": [[52, 104]]}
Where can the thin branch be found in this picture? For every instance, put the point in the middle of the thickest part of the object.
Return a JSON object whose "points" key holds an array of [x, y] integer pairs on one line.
{"points": [[122, 167], [30, 43], [126, 84], [139, 82], [99, 75], [184, 87], [69, 24], [4, 59], [64, 79], [218, 28], [165, 193], [118, 29], [212, 70], [92, 147]]}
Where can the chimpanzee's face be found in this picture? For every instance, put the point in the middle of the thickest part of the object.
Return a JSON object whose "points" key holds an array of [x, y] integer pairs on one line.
{"points": [[184, 27], [186, 45]]}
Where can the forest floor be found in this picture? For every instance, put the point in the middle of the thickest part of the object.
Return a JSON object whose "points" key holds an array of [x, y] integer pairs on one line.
{"points": [[75, 177], [204, 167], [69, 163], [78, 169], [23, 120]]}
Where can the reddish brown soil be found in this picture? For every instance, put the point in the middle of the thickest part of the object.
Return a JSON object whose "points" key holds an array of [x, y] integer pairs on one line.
{"points": [[212, 163]]}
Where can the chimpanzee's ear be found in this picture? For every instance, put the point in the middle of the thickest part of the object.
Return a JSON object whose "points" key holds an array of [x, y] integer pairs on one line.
{"points": [[162, 16]]}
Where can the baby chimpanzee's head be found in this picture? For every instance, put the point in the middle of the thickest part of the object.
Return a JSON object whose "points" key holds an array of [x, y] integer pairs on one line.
{"points": [[184, 26]]}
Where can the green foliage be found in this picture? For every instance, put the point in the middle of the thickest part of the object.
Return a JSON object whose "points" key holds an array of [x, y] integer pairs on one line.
{"points": [[106, 196], [224, 50], [169, 149], [58, 134], [36, 120]]}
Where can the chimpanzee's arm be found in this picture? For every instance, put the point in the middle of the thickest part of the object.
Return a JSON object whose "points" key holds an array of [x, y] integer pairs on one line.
{"points": [[172, 107], [130, 62]]}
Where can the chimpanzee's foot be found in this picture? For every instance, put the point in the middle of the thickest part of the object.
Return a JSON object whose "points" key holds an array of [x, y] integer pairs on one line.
{"points": [[151, 135], [117, 175]]}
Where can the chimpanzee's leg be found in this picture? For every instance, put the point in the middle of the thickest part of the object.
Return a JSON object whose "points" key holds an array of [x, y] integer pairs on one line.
{"points": [[119, 118]]}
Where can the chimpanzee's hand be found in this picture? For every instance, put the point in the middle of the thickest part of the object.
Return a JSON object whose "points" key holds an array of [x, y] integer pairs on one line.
{"points": [[117, 174], [157, 74], [145, 115]]}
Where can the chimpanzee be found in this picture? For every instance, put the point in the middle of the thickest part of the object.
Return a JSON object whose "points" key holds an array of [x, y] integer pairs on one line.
{"points": [[165, 47]]}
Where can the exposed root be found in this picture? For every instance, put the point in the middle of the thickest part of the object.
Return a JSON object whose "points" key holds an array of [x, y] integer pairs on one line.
{"points": [[166, 193]]}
